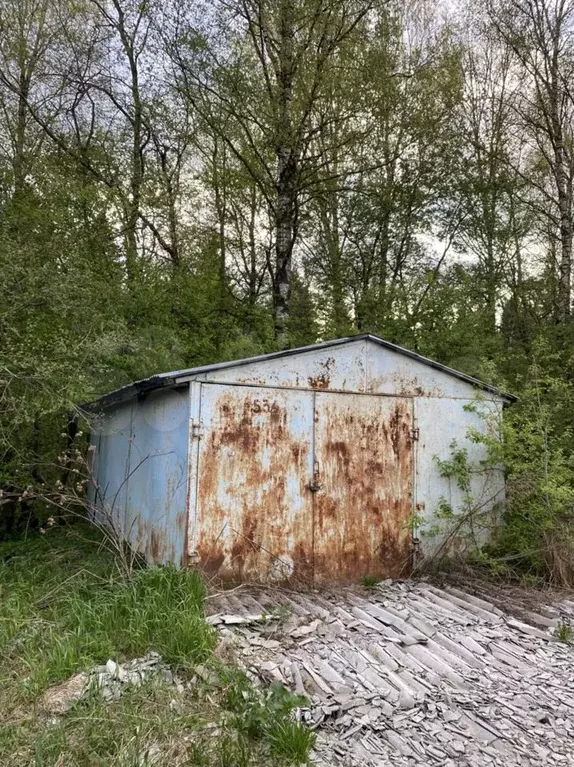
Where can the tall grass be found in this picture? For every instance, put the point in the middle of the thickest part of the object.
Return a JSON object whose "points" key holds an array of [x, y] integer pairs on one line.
{"points": [[63, 609]]}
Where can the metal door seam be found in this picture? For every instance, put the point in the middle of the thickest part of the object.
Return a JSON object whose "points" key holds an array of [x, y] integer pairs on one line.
{"points": [[313, 494], [253, 385]]}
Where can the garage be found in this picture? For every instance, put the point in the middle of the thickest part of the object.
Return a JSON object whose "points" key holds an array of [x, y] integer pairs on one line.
{"points": [[314, 465]]}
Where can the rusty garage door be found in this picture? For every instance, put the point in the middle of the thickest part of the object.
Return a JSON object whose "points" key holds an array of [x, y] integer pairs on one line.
{"points": [[254, 511], [364, 476], [297, 484]]}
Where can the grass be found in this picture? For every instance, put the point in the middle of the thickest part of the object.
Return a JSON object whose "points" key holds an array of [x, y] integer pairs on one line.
{"points": [[291, 740], [564, 633], [370, 581], [63, 609]]}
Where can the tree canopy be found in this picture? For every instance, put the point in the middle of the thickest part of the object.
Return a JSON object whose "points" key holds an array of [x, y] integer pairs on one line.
{"points": [[188, 181]]}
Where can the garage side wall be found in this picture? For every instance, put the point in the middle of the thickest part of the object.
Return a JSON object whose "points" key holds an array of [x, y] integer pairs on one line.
{"points": [[110, 446], [140, 466], [444, 426], [156, 518]]}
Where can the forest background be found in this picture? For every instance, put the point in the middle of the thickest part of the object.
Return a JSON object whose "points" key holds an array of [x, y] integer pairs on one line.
{"points": [[183, 182]]}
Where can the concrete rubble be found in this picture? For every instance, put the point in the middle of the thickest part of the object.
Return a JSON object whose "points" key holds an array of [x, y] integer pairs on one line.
{"points": [[110, 680], [408, 674]]}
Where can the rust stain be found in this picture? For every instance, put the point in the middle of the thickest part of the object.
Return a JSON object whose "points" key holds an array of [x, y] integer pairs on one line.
{"points": [[362, 512], [155, 546], [259, 520], [319, 382], [253, 469], [322, 380], [402, 385], [180, 521]]}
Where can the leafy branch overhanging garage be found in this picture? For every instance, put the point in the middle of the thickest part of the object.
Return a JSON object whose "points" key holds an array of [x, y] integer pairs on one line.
{"points": [[308, 464]]}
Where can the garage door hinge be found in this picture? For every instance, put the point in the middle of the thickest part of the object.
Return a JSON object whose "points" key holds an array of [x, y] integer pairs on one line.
{"points": [[196, 429], [415, 433]]}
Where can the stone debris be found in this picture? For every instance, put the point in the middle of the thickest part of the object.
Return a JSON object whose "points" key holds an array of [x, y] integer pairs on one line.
{"points": [[58, 698], [411, 675], [110, 679]]}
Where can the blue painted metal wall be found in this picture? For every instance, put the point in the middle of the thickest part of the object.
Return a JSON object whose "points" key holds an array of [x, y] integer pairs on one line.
{"points": [[111, 441], [156, 518], [141, 471]]}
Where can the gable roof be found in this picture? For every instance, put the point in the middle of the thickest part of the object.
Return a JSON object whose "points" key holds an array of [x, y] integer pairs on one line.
{"points": [[178, 377]]}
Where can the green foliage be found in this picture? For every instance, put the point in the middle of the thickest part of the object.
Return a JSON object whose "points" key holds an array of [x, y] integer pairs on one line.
{"points": [[460, 521], [50, 629], [538, 534], [62, 610], [456, 467], [564, 633], [291, 741], [370, 581], [534, 538], [267, 715]]}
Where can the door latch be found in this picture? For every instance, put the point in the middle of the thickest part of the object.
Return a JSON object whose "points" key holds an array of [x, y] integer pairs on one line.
{"points": [[315, 485]]}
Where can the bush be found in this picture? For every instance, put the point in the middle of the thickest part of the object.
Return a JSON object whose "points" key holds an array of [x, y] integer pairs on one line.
{"points": [[537, 536]]}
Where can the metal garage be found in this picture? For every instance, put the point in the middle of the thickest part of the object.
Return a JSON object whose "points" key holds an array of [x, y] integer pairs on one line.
{"points": [[305, 465]]}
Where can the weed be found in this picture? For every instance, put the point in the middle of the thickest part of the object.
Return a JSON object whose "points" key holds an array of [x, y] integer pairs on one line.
{"points": [[370, 581], [63, 609], [291, 740], [198, 755], [129, 732], [59, 615], [564, 633], [281, 613], [233, 752], [267, 715]]}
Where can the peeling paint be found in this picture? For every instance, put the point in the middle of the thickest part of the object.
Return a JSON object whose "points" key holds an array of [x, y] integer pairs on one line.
{"points": [[293, 467], [300, 486], [254, 510]]}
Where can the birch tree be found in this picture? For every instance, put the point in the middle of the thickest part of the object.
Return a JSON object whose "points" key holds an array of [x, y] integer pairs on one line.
{"points": [[276, 63], [540, 34]]}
